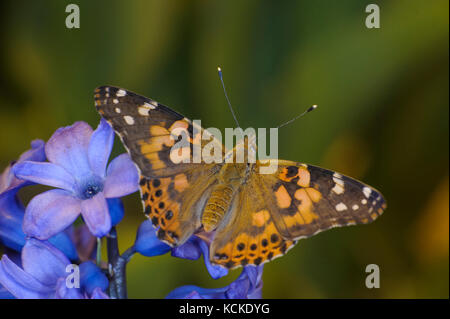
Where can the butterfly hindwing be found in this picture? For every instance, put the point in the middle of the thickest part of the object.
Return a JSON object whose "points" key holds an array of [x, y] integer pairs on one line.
{"points": [[248, 235], [174, 204]]}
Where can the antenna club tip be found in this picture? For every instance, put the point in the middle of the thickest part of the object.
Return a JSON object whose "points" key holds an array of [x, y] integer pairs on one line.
{"points": [[312, 108], [219, 69]]}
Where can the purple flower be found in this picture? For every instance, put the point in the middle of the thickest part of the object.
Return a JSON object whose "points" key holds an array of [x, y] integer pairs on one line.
{"points": [[78, 168], [15, 257], [44, 274], [5, 294], [11, 209], [247, 286], [8, 182], [148, 244]]}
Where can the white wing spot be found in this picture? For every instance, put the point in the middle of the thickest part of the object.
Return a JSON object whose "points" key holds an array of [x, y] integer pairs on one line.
{"points": [[151, 106], [367, 191], [364, 202], [338, 189], [355, 207], [154, 103], [121, 93], [143, 110], [117, 110], [115, 101], [128, 119], [340, 207], [339, 184]]}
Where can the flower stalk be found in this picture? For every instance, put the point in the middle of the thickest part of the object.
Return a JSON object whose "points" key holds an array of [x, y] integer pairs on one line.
{"points": [[117, 266]]}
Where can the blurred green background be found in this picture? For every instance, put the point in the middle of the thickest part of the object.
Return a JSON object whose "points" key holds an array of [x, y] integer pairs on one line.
{"points": [[382, 116]]}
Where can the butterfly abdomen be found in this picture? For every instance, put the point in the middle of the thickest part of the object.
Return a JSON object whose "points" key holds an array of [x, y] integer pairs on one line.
{"points": [[217, 205]]}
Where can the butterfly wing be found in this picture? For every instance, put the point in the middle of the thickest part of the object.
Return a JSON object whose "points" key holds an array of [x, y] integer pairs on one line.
{"points": [[274, 210], [248, 235], [171, 191], [174, 204], [151, 132], [310, 199]]}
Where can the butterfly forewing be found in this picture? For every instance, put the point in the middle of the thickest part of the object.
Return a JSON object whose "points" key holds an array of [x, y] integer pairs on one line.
{"points": [[150, 131], [310, 199], [172, 193]]}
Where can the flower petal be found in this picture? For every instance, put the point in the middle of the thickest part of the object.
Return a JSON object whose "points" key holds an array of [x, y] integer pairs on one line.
{"points": [[116, 210], [45, 173], [64, 243], [189, 250], [92, 277], [100, 147], [254, 275], [195, 292], [36, 153], [215, 271], [98, 294], [96, 215], [122, 177], [8, 181], [68, 147], [5, 294], [64, 292], [49, 213], [44, 261], [11, 217], [238, 289], [147, 243], [85, 242], [21, 284]]}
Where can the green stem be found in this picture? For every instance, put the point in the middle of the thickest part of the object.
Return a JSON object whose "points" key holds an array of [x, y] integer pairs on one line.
{"points": [[99, 251]]}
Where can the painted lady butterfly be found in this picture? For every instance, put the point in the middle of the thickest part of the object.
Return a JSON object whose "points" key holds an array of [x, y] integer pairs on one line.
{"points": [[255, 217]]}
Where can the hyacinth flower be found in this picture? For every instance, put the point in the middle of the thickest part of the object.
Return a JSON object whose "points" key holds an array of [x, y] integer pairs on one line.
{"points": [[77, 167], [247, 286], [12, 209], [15, 257], [148, 244], [43, 274]]}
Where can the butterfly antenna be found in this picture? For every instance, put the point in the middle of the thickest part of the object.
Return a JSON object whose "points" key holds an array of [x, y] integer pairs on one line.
{"points": [[226, 95], [298, 116]]}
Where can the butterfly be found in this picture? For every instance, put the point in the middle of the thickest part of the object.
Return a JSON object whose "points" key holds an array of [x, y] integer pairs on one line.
{"points": [[253, 217]]}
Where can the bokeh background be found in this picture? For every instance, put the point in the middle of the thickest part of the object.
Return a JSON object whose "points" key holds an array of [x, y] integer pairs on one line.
{"points": [[382, 117]]}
